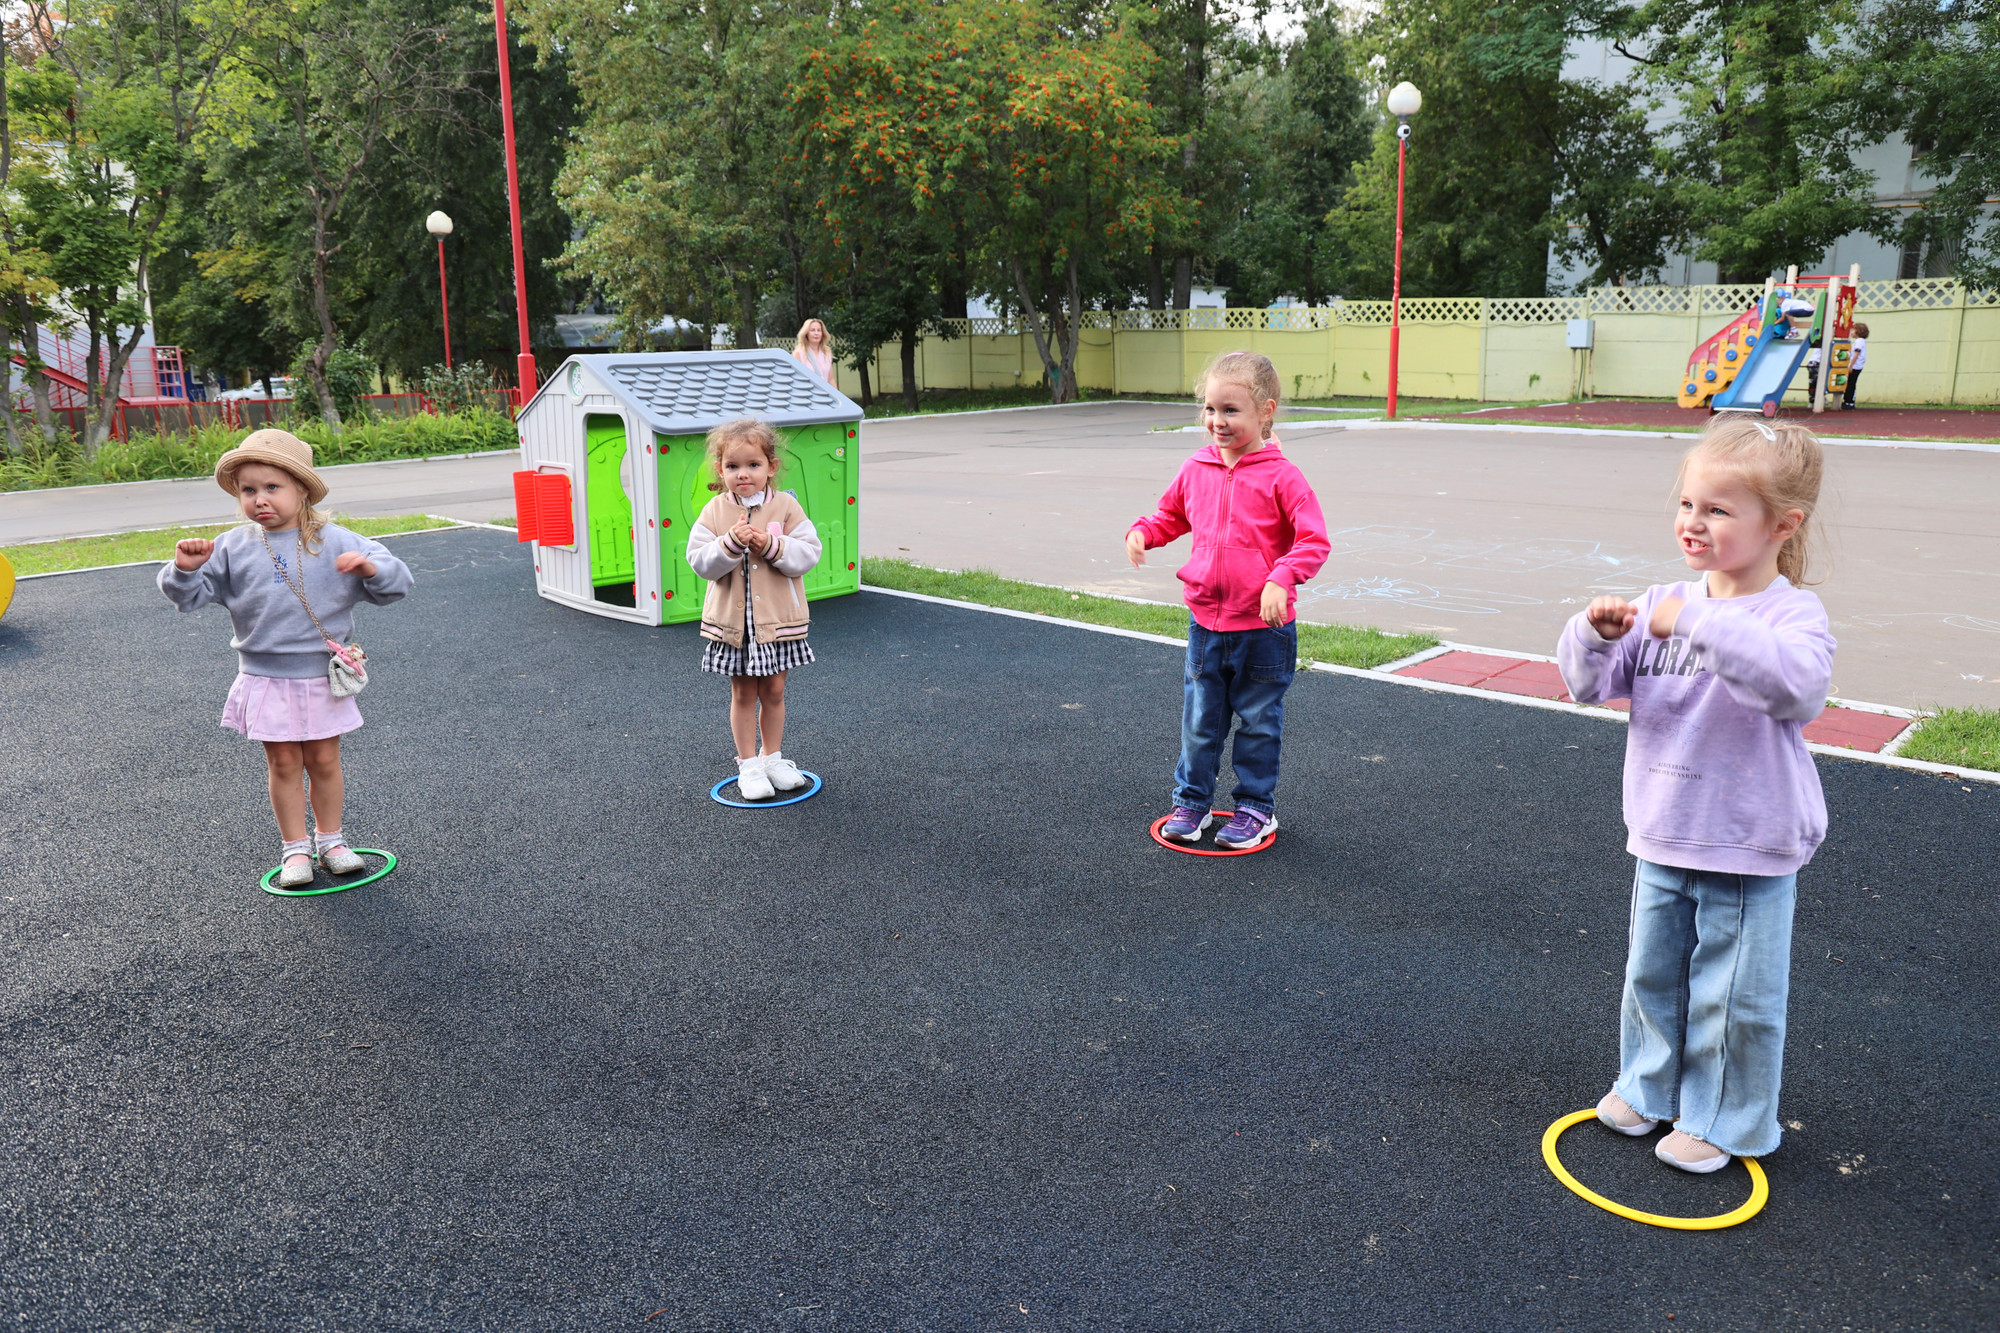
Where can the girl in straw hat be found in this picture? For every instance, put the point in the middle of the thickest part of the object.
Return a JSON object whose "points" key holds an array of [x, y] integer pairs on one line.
{"points": [[266, 573]]}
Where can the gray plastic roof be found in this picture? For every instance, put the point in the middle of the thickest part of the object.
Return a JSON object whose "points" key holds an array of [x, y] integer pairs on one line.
{"points": [[684, 393]]}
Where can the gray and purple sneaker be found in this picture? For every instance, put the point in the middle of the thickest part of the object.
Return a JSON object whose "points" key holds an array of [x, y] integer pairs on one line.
{"points": [[1186, 825], [1246, 828]]}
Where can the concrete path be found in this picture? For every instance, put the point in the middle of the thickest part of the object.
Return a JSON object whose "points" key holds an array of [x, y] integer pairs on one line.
{"points": [[1484, 536], [475, 488]]}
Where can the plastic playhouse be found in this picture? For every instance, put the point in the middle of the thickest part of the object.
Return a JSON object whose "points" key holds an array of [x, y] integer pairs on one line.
{"points": [[610, 441], [1750, 363]]}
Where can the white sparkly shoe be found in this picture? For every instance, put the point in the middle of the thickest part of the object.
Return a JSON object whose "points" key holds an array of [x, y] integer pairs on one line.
{"points": [[751, 782], [783, 773], [341, 860], [298, 871], [335, 854]]}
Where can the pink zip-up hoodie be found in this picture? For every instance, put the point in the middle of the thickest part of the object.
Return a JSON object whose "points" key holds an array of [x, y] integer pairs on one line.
{"points": [[1256, 523]]}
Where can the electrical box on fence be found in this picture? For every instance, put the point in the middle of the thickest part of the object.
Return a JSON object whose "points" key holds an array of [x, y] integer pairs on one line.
{"points": [[1582, 334], [632, 430]]}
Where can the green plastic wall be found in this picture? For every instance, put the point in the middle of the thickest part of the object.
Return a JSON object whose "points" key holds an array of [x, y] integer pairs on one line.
{"points": [[612, 557], [822, 466]]}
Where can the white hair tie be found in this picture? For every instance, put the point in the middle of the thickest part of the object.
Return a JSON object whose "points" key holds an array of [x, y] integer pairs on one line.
{"points": [[1769, 435]]}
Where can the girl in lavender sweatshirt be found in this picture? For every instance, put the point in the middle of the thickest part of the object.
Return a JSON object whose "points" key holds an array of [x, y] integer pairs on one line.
{"points": [[1721, 798]]}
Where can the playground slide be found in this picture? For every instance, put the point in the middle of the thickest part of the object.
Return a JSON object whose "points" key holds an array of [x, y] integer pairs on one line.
{"points": [[1767, 372]]}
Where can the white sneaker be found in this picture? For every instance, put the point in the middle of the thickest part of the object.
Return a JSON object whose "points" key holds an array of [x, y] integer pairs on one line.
{"points": [[751, 783], [1690, 1153], [783, 773], [1614, 1113], [298, 871]]}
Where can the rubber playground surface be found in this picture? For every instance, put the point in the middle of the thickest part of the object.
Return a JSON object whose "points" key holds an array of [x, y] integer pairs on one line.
{"points": [[951, 1045], [1884, 423]]}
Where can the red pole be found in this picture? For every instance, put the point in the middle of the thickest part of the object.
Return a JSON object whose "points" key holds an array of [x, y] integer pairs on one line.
{"points": [[524, 363], [1396, 292], [444, 298]]}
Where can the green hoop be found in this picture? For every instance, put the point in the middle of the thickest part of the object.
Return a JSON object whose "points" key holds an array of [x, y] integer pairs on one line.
{"points": [[389, 863]]}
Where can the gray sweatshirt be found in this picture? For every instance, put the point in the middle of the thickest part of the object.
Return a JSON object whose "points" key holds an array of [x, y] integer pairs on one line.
{"points": [[274, 635]]}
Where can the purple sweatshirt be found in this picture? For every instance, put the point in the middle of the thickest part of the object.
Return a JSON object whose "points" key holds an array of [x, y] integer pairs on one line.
{"points": [[1717, 776]]}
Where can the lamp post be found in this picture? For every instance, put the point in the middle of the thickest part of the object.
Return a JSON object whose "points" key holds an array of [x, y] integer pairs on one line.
{"points": [[1404, 101], [438, 224], [524, 363]]}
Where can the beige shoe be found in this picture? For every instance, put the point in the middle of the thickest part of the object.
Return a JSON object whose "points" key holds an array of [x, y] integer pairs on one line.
{"points": [[783, 773], [751, 782], [1613, 1113], [298, 871], [1689, 1153]]}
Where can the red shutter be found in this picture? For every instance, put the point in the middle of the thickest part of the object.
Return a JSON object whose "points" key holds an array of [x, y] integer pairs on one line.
{"points": [[554, 523], [524, 506]]}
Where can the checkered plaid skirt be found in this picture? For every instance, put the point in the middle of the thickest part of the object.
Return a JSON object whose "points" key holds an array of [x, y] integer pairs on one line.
{"points": [[755, 659]]}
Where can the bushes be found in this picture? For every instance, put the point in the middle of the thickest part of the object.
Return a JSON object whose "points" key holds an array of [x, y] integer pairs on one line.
{"points": [[150, 457]]}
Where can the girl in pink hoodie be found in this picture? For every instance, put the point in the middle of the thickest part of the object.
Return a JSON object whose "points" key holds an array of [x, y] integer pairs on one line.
{"points": [[1258, 534]]}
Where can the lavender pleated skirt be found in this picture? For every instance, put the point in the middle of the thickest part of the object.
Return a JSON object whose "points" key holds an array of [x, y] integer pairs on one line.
{"points": [[274, 708]]}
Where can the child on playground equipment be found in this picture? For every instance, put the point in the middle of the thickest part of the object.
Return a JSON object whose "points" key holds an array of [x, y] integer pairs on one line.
{"points": [[1722, 800], [291, 601], [1857, 357], [754, 544], [1258, 534]]}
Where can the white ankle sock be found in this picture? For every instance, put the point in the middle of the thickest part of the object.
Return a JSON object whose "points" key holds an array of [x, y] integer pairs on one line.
{"points": [[295, 847], [325, 840]]}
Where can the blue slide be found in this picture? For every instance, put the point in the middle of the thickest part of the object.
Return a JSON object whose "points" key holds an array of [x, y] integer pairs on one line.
{"points": [[1760, 386]]}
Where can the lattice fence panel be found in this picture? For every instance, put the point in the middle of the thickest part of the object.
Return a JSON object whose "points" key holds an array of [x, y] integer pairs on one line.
{"points": [[1641, 300], [1730, 298], [1362, 312], [1908, 294], [1535, 309], [1441, 310]]}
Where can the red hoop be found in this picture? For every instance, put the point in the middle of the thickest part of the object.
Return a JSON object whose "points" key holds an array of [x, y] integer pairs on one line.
{"points": [[1224, 816]]}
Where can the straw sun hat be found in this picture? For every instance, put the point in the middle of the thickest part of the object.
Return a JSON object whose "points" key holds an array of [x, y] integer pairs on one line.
{"points": [[280, 449]]}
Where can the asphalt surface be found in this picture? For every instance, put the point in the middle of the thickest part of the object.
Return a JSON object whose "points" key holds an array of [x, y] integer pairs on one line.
{"points": [[951, 1046]]}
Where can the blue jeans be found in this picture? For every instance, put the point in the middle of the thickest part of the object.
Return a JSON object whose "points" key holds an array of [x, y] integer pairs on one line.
{"points": [[1702, 1027], [1244, 672]]}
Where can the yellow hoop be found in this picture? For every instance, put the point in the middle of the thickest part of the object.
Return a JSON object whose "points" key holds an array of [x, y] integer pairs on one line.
{"points": [[1760, 1188]]}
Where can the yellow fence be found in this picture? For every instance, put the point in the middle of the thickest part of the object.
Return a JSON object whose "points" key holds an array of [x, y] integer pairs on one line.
{"points": [[1930, 341]]}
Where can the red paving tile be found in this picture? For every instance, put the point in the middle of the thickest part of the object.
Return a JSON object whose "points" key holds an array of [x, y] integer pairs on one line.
{"points": [[1881, 423], [1848, 727], [1855, 729]]}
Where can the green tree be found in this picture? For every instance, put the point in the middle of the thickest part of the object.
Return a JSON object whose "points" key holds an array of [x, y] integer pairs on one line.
{"points": [[1039, 133], [1304, 125], [335, 82], [1933, 72], [119, 100], [1772, 111], [680, 175], [1617, 207], [1482, 172], [26, 290]]}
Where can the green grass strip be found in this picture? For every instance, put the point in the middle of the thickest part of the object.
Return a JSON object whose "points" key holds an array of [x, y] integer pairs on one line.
{"points": [[1966, 737], [1338, 645], [124, 548]]}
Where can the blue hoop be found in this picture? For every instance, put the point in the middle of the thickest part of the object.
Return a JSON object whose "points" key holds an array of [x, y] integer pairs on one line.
{"points": [[715, 794]]}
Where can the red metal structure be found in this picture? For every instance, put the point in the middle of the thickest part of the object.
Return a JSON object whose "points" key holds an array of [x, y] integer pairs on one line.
{"points": [[524, 363]]}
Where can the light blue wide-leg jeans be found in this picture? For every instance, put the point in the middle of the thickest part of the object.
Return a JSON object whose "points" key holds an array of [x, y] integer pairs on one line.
{"points": [[1702, 1026]]}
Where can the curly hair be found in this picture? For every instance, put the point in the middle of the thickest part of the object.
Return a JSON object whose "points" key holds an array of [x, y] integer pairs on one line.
{"points": [[743, 430]]}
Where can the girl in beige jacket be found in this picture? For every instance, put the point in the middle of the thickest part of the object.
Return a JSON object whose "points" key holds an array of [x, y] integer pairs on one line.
{"points": [[754, 544]]}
